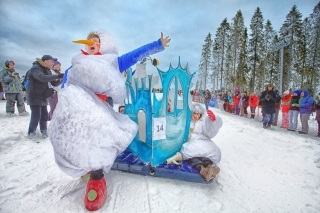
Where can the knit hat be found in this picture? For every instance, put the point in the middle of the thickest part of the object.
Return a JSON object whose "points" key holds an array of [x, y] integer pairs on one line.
{"points": [[298, 92], [197, 108], [56, 62]]}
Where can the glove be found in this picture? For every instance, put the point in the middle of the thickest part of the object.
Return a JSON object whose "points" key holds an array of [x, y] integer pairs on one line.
{"points": [[60, 75], [211, 115]]}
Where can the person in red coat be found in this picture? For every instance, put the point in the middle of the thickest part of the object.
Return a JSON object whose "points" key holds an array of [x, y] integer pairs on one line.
{"points": [[253, 103], [236, 100], [285, 106]]}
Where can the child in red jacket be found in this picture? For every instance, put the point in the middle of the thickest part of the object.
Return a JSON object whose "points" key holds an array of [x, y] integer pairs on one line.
{"points": [[253, 103], [285, 106]]}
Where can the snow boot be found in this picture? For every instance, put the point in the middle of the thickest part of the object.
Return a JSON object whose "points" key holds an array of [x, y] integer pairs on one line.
{"points": [[176, 159], [209, 172], [96, 194]]}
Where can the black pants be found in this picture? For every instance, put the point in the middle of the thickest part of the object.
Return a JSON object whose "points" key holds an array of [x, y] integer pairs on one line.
{"points": [[39, 114], [197, 162], [97, 174]]}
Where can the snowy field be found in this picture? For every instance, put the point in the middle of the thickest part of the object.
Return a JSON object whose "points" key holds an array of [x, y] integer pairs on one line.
{"points": [[262, 170]]}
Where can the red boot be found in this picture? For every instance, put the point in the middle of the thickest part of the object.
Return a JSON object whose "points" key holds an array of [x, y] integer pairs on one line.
{"points": [[96, 194]]}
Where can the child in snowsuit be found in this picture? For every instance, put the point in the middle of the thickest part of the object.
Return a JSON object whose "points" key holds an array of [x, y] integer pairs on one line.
{"points": [[201, 152]]}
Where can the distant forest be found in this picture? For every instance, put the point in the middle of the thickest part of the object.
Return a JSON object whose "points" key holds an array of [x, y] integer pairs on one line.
{"points": [[250, 58]]}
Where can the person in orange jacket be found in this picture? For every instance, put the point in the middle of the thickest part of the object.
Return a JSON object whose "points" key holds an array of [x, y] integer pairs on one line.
{"points": [[285, 106]]}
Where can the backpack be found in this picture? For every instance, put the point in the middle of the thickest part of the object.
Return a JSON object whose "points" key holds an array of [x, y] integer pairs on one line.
{"points": [[25, 81]]}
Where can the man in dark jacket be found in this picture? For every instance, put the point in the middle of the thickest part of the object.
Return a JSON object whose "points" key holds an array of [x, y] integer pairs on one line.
{"points": [[38, 91], [267, 100]]}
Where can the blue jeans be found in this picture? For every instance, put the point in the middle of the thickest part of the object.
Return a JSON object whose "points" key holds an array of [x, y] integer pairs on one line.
{"points": [[268, 118], [207, 105], [39, 114]]}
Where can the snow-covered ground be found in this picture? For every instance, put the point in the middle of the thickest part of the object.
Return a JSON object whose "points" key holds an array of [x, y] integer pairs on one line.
{"points": [[262, 170]]}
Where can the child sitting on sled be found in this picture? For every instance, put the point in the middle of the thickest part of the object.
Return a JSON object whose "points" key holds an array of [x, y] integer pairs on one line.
{"points": [[200, 151]]}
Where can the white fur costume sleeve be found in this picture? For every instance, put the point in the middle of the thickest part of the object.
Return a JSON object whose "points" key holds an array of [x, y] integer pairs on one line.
{"points": [[200, 144], [86, 133]]}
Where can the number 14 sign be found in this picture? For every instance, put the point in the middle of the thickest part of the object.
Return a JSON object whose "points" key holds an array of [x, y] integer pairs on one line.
{"points": [[159, 128]]}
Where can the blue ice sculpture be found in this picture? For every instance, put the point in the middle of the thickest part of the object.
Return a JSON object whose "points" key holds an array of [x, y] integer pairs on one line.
{"points": [[146, 155], [177, 120]]}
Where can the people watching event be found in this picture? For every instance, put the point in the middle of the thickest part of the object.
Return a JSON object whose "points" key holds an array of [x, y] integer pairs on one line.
{"points": [[294, 111], [245, 103], [12, 87], [253, 103], [285, 106], [317, 100], [306, 103], [53, 99], [38, 92], [267, 100], [278, 105], [207, 98]]}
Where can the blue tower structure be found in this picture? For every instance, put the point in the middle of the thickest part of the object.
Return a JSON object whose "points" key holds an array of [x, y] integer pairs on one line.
{"points": [[162, 131]]}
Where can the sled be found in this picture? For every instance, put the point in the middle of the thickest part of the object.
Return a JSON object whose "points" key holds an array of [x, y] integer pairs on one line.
{"points": [[162, 132], [128, 162]]}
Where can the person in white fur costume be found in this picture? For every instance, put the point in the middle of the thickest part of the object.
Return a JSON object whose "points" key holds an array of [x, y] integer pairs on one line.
{"points": [[201, 152], [85, 132]]}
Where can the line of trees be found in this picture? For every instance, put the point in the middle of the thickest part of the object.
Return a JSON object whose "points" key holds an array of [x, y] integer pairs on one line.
{"points": [[249, 60]]}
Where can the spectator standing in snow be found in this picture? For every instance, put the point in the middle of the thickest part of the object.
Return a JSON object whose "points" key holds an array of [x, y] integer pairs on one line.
{"points": [[285, 106], [236, 100], [318, 112], [245, 103], [306, 103], [38, 91], [1, 92], [253, 103], [12, 87], [207, 98], [53, 99], [267, 100], [294, 111], [201, 152], [277, 104]]}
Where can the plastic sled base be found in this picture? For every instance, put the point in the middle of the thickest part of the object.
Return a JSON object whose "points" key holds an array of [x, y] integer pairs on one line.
{"points": [[128, 162]]}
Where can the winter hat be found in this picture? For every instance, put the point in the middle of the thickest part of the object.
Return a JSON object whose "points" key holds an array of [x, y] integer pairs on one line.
{"points": [[48, 57], [108, 44], [298, 92], [197, 108], [7, 63], [286, 92], [306, 93], [56, 62]]}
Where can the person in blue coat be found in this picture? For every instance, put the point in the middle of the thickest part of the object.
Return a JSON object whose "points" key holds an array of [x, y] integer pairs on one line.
{"points": [[306, 103]]}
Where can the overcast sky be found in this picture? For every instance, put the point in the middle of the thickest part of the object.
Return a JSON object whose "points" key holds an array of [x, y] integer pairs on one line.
{"points": [[32, 28]]}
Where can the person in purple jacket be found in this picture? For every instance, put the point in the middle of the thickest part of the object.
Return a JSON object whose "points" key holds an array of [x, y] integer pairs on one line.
{"points": [[306, 103]]}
